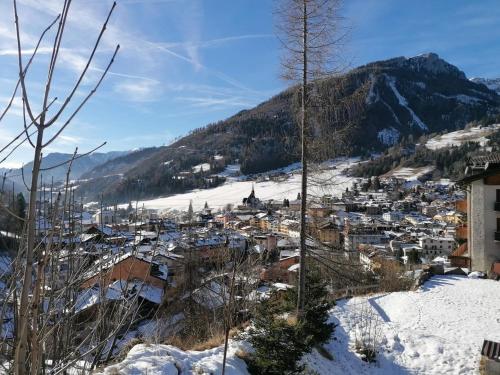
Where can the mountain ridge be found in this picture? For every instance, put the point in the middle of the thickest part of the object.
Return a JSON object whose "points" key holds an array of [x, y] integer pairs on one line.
{"points": [[395, 99]]}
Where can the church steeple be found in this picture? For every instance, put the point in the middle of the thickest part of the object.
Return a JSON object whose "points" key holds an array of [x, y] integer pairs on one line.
{"points": [[252, 194]]}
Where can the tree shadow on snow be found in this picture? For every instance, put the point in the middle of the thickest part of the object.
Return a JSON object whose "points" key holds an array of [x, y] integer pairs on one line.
{"points": [[440, 280]]}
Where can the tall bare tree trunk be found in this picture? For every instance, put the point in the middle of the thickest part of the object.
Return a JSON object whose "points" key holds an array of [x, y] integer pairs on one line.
{"points": [[303, 203], [20, 358]]}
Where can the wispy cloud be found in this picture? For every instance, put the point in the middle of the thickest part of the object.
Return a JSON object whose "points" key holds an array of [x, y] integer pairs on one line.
{"points": [[218, 102], [217, 41], [139, 90]]}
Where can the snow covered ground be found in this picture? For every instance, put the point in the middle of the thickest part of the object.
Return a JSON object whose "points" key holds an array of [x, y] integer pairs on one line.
{"points": [[436, 330], [409, 174], [330, 180], [457, 138]]}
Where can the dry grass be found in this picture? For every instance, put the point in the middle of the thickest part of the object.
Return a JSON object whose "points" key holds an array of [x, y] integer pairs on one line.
{"points": [[183, 343], [211, 343], [126, 348], [291, 320], [241, 354], [482, 366], [194, 343], [392, 277]]}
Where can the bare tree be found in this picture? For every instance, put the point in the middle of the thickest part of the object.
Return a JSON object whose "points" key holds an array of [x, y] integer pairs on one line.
{"points": [[27, 351], [309, 32]]}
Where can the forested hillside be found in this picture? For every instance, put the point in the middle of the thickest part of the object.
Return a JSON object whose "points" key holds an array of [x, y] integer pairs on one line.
{"points": [[366, 110]]}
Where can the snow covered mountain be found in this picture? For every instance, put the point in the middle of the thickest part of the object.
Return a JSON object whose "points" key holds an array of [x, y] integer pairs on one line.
{"points": [[393, 99], [491, 83]]}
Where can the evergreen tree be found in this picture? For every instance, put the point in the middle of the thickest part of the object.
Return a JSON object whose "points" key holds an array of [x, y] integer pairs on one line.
{"points": [[277, 343], [206, 205], [413, 257], [20, 206], [190, 211], [315, 329]]}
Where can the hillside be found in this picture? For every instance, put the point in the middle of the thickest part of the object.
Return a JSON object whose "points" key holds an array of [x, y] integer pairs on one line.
{"points": [[437, 329], [377, 105], [440, 155]]}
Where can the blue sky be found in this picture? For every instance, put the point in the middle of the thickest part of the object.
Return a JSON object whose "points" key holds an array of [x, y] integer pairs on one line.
{"points": [[186, 63]]}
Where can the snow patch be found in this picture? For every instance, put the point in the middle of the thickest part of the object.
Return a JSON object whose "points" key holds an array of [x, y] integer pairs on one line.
{"points": [[491, 83], [198, 168], [476, 134], [422, 85], [409, 174], [462, 98], [372, 97], [388, 136], [391, 81]]}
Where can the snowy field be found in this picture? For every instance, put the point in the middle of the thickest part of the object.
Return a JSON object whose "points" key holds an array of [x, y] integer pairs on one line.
{"points": [[330, 180], [457, 138], [409, 174], [436, 330]]}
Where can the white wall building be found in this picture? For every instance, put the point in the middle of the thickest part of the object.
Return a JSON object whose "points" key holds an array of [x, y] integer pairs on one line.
{"points": [[482, 182], [436, 246], [104, 217], [392, 216]]}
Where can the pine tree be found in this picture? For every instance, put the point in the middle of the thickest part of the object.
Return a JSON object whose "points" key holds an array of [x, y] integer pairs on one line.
{"points": [[277, 343], [315, 329], [190, 211]]}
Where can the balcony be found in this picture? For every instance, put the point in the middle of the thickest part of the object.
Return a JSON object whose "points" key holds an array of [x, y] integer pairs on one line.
{"points": [[497, 236], [497, 206]]}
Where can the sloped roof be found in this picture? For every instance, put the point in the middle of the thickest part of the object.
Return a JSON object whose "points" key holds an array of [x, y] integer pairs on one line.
{"points": [[481, 166]]}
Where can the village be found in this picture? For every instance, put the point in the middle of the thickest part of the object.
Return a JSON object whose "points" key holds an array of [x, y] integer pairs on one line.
{"points": [[381, 234], [249, 188]]}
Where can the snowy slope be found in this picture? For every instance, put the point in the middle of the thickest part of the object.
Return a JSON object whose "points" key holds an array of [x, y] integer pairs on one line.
{"points": [[476, 134], [234, 190], [408, 173], [436, 330]]}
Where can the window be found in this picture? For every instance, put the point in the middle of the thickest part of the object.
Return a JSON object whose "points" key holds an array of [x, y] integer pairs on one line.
{"points": [[498, 224], [498, 195]]}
